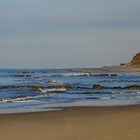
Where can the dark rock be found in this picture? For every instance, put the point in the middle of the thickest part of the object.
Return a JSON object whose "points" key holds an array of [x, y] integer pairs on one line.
{"points": [[98, 86], [133, 87], [105, 75], [113, 75], [101, 75], [34, 87], [25, 86], [123, 64]]}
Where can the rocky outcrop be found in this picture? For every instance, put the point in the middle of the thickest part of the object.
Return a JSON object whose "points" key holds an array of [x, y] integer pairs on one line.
{"points": [[131, 87], [24, 86], [98, 86], [105, 75], [136, 60], [37, 87]]}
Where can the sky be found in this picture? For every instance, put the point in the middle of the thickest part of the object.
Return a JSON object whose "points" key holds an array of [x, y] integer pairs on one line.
{"points": [[68, 33]]}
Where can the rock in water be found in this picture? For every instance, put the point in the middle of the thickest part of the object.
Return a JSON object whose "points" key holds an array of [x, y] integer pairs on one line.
{"points": [[136, 60], [132, 87], [98, 86]]}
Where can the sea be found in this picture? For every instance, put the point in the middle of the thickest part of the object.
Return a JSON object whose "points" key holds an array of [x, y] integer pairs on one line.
{"points": [[37, 90]]}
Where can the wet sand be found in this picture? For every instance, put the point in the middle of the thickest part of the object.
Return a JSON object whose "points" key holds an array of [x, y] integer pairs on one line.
{"points": [[80, 123]]}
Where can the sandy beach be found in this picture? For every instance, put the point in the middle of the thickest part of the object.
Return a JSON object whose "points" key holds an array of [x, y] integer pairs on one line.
{"points": [[84, 123], [120, 68]]}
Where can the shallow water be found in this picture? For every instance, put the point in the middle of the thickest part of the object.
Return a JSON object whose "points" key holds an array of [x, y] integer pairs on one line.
{"points": [[79, 93]]}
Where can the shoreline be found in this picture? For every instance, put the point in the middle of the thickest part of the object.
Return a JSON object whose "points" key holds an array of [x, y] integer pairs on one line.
{"points": [[120, 68], [76, 123], [69, 109], [118, 122], [61, 109]]}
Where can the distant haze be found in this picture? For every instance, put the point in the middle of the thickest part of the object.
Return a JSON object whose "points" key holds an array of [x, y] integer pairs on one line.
{"points": [[68, 33]]}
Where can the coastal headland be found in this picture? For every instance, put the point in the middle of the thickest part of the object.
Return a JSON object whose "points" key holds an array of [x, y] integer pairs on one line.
{"points": [[133, 65]]}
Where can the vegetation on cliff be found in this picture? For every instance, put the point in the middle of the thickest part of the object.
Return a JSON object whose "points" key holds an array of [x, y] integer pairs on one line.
{"points": [[136, 60]]}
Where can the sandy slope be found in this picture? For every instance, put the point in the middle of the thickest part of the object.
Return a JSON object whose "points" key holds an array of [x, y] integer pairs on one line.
{"points": [[100, 123], [120, 68]]}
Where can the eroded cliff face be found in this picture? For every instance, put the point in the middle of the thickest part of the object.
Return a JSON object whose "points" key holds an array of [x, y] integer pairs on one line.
{"points": [[136, 60]]}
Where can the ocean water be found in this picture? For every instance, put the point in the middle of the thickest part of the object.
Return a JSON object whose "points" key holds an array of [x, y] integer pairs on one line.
{"points": [[51, 89]]}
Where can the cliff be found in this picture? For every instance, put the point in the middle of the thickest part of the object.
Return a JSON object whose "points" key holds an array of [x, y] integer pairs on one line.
{"points": [[136, 60]]}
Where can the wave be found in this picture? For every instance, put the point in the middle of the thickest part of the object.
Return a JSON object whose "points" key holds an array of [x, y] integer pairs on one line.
{"points": [[88, 95], [56, 89], [77, 74], [24, 99], [80, 74], [8, 100]]}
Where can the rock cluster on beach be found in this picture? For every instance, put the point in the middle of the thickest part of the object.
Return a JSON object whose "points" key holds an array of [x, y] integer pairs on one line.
{"points": [[136, 60]]}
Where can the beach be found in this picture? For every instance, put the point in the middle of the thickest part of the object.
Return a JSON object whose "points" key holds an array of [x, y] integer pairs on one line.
{"points": [[89, 105], [78, 123], [69, 70], [121, 68]]}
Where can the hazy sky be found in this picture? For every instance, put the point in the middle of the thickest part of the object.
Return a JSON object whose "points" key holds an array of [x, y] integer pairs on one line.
{"points": [[68, 33]]}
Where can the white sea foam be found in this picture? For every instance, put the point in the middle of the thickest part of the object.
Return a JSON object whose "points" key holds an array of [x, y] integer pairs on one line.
{"points": [[24, 99], [15, 99], [60, 89], [52, 81], [76, 74]]}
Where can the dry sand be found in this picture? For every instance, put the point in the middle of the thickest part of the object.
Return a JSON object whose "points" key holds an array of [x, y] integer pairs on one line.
{"points": [[121, 68], [87, 123]]}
